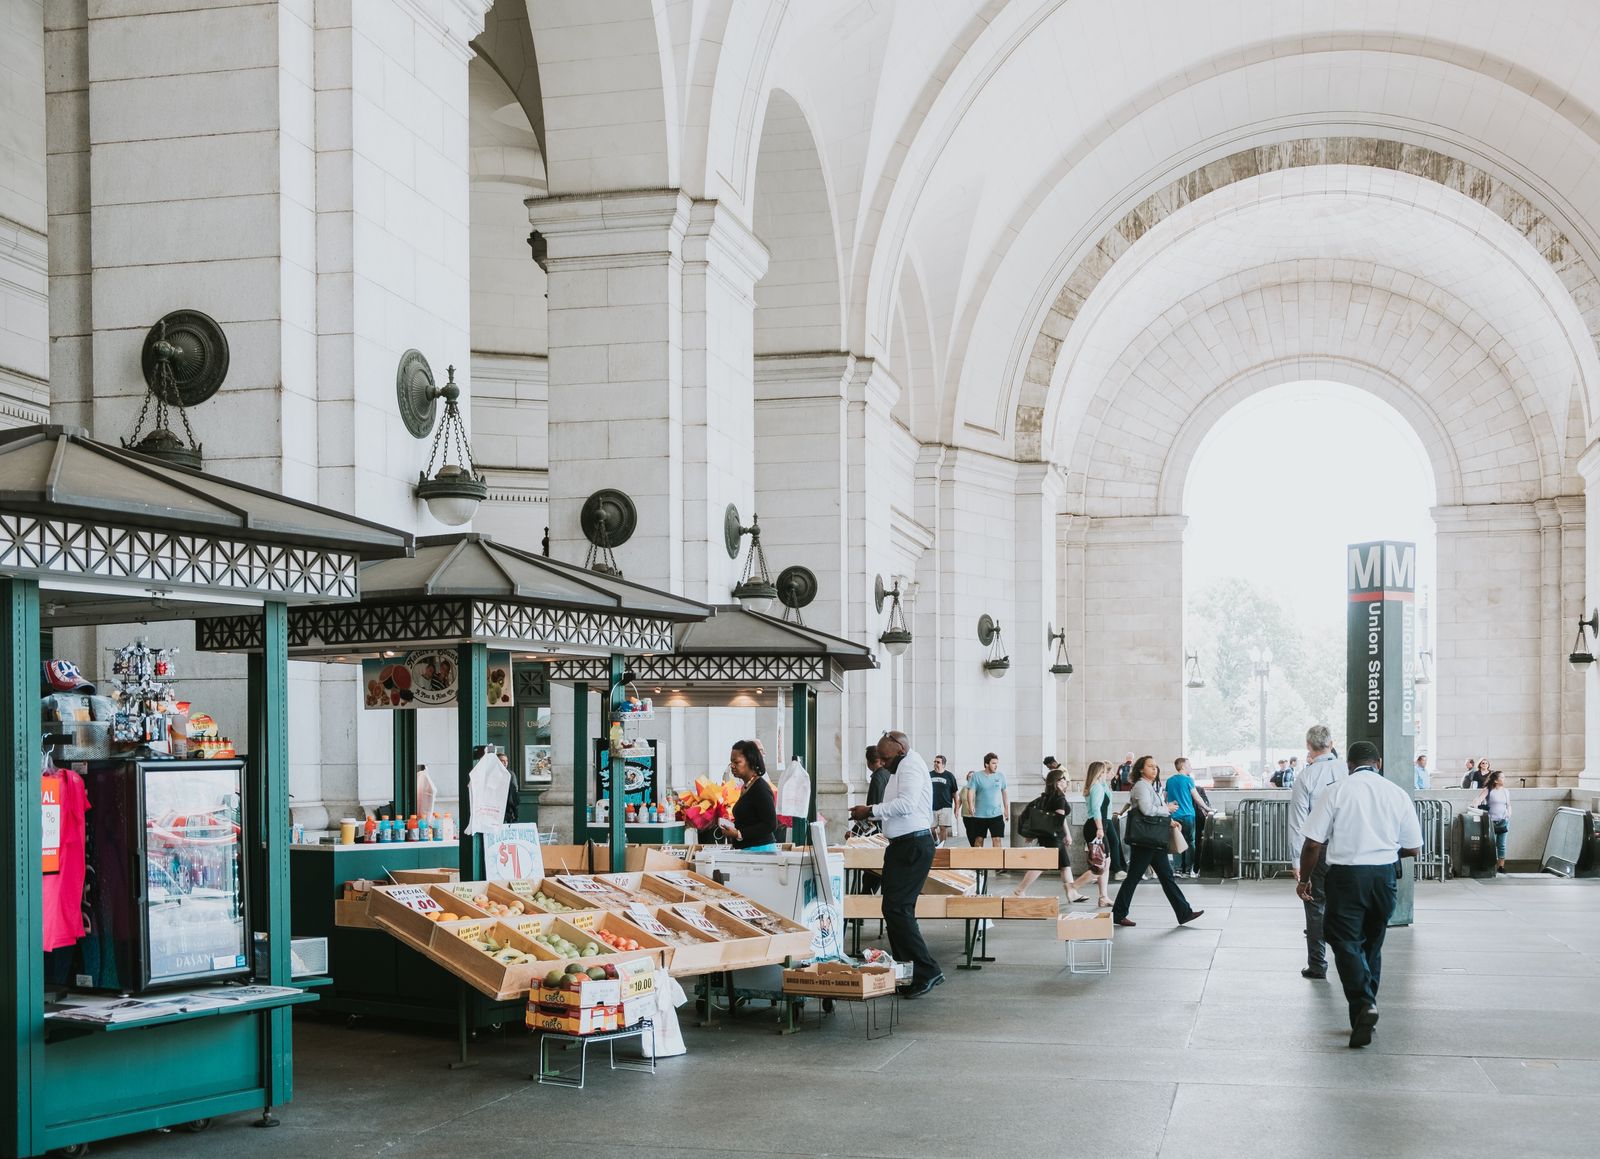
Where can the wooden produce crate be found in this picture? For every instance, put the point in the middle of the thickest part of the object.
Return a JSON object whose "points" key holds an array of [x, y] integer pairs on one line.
{"points": [[454, 946], [685, 885], [951, 882], [974, 907], [353, 915], [403, 910], [789, 937], [740, 944], [1035, 908], [1071, 927], [437, 876], [982, 857], [837, 980], [587, 891], [860, 856], [870, 905], [1030, 857]]}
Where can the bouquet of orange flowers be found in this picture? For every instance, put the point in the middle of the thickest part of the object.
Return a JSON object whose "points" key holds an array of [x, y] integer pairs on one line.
{"points": [[708, 802]]}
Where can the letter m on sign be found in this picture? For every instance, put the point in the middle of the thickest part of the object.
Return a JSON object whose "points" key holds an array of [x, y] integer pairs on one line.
{"points": [[1400, 567], [1366, 560]]}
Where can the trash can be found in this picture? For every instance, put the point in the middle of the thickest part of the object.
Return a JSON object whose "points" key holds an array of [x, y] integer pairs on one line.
{"points": [[1476, 842], [1216, 845]]}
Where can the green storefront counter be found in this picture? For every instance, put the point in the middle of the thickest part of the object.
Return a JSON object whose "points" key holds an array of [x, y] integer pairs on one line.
{"points": [[104, 1081], [641, 833], [371, 972]]}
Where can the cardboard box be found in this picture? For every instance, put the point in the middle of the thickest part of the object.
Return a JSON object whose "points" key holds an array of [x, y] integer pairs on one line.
{"points": [[1081, 927], [353, 915], [982, 857], [974, 907], [635, 858], [1036, 908], [441, 876], [635, 1010], [838, 980], [90, 739], [453, 947], [1031, 857], [566, 1020], [589, 992], [566, 858], [638, 978]]}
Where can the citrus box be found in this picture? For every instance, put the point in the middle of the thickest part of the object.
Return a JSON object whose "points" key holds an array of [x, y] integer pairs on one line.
{"points": [[573, 1020], [840, 980], [587, 992]]}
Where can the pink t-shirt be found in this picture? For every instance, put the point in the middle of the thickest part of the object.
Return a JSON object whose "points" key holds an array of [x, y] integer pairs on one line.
{"points": [[63, 889]]}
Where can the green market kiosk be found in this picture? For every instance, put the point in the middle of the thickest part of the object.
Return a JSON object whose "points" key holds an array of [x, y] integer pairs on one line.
{"points": [[735, 659], [470, 597], [94, 535]]}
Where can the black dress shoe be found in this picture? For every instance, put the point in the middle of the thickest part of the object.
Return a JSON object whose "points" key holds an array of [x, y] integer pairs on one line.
{"points": [[1361, 1032], [1185, 921], [1314, 975], [918, 989], [1126, 922]]}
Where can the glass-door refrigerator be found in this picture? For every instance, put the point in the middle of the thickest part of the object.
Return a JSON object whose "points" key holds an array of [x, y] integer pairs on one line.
{"points": [[175, 825]]}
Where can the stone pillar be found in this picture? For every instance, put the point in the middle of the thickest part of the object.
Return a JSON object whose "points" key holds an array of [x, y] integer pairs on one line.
{"points": [[1589, 679], [24, 324], [1071, 539], [1132, 667], [1040, 489]]}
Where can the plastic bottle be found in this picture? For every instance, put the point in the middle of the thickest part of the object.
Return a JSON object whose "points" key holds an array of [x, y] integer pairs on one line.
{"points": [[385, 830], [449, 828], [369, 830], [412, 833], [435, 828]]}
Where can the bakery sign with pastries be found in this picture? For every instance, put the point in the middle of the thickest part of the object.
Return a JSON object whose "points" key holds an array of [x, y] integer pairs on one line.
{"points": [[429, 678]]}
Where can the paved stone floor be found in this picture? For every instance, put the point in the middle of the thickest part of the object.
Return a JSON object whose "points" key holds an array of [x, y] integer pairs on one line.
{"points": [[1202, 1042]]}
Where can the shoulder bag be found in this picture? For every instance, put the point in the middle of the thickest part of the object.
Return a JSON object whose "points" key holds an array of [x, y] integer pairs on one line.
{"points": [[1148, 831]]}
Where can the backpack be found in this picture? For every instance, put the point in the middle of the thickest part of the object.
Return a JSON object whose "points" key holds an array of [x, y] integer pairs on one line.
{"points": [[1039, 821]]}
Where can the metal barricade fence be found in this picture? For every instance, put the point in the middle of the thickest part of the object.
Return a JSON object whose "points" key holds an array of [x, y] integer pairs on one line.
{"points": [[1263, 837], [1435, 816]]}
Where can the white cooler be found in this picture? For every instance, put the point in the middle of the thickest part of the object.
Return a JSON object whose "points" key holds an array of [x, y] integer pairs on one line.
{"points": [[785, 882]]}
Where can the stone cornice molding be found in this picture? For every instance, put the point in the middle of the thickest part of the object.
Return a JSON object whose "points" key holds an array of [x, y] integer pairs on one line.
{"points": [[1487, 518], [454, 22], [726, 246], [820, 374], [1136, 529], [592, 230]]}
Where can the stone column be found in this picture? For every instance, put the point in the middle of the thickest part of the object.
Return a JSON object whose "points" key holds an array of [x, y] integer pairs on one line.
{"points": [[1040, 489], [24, 326], [1132, 667], [1589, 679], [1071, 539], [1491, 680]]}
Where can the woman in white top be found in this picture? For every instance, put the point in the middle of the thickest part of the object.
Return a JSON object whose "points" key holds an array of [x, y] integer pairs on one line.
{"points": [[1496, 799]]}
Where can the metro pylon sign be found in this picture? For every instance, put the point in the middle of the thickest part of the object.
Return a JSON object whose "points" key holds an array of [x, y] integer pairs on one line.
{"points": [[1381, 631]]}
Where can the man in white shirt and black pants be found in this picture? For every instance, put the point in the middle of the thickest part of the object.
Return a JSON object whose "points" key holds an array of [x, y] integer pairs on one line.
{"points": [[1361, 826], [1322, 770], [906, 816]]}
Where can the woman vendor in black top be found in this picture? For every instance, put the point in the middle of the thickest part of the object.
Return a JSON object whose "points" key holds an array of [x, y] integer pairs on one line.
{"points": [[754, 827]]}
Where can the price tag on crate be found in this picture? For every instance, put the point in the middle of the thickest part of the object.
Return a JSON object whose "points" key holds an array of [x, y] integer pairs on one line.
{"points": [[583, 884], [743, 910], [697, 919], [414, 897], [646, 921], [522, 887]]}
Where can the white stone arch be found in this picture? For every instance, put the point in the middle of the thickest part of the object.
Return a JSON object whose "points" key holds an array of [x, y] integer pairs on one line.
{"points": [[1454, 370], [799, 301]]}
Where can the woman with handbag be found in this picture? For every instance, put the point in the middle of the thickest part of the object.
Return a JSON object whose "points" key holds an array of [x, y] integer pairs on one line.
{"points": [[1053, 802], [1150, 836], [1496, 800], [1097, 830]]}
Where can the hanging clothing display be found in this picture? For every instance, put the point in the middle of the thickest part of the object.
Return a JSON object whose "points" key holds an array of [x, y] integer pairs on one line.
{"points": [[65, 805]]}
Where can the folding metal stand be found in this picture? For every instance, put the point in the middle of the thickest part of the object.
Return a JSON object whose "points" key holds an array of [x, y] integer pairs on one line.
{"points": [[551, 1077]]}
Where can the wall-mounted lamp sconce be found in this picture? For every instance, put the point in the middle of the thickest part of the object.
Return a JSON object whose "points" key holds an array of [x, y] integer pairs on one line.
{"points": [[896, 637], [608, 519], [184, 359], [797, 587], [998, 663], [755, 589], [453, 492], [1062, 666], [1191, 670], [1580, 654]]}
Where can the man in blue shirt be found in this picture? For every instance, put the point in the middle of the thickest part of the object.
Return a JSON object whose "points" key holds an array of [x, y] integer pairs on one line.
{"points": [[1421, 772], [1180, 792]]}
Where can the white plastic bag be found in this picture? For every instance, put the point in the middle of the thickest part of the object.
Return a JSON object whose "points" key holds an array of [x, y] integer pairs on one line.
{"points": [[666, 1034], [487, 787]]}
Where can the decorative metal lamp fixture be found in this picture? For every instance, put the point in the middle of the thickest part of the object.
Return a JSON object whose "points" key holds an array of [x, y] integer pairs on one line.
{"points": [[1191, 668], [453, 492], [897, 637], [755, 589], [184, 359], [1062, 666], [797, 587], [609, 520], [1424, 674], [998, 663], [1580, 654]]}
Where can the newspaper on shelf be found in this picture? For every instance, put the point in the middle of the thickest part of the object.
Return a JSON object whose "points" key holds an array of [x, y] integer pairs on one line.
{"points": [[110, 1009]]}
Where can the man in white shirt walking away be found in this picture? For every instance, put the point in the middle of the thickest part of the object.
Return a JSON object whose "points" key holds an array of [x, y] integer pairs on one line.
{"points": [[905, 815], [1322, 770], [1361, 827]]}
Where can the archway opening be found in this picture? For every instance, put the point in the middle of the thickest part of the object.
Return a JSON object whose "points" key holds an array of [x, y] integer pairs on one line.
{"points": [[1281, 484]]}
